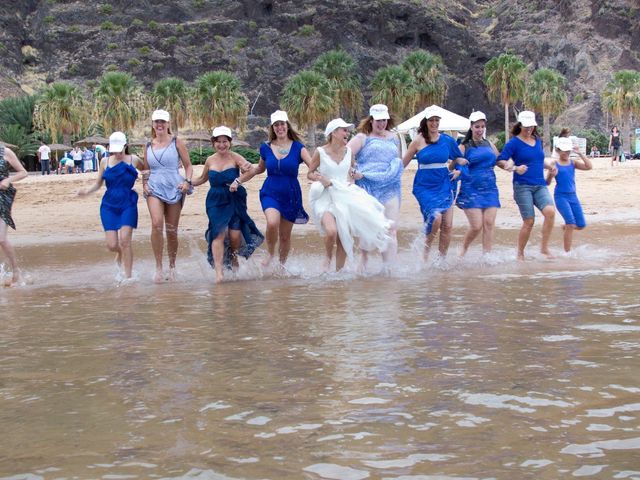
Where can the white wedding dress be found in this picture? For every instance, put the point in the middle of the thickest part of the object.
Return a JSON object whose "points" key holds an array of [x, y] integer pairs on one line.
{"points": [[358, 214]]}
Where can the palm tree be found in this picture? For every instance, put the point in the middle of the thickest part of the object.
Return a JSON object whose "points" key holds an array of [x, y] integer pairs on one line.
{"points": [[340, 68], [16, 135], [504, 77], [18, 111], [61, 109], [621, 97], [119, 102], [394, 87], [171, 94], [218, 100], [428, 72], [546, 93], [309, 98]]}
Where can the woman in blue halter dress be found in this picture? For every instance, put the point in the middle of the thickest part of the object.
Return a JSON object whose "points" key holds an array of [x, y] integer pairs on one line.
{"points": [[7, 196], [231, 232], [439, 160], [119, 206], [479, 196], [280, 195]]}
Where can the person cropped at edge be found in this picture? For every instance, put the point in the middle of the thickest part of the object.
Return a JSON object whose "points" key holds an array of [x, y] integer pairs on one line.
{"points": [[524, 156]]}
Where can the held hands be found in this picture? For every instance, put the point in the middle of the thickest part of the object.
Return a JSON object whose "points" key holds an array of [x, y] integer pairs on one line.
{"points": [[454, 174], [520, 169], [5, 184], [324, 181], [233, 187], [356, 175]]}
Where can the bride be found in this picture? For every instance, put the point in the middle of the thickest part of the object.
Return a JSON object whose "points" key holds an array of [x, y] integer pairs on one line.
{"points": [[342, 210]]}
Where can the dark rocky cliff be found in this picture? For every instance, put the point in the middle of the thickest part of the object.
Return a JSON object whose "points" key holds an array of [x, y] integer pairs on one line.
{"points": [[265, 41]]}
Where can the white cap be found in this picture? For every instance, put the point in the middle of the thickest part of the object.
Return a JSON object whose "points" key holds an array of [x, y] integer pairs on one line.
{"points": [[477, 115], [379, 112], [432, 111], [564, 144], [160, 115], [279, 116], [117, 141], [527, 118], [336, 123], [218, 131]]}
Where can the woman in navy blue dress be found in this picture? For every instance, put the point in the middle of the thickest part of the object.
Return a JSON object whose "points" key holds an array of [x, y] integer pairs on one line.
{"points": [[119, 207], [479, 197], [231, 232], [280, 195]]}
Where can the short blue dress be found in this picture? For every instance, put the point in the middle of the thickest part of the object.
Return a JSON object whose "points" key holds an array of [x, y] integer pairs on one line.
{"points": [[432, 184], [164, 178], [478, 188], [119, 207], [281, 190], [378, 160], [227, 209]]}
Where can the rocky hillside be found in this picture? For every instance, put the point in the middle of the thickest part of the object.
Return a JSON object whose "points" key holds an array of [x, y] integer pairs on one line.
{"points": [[265, 41]]}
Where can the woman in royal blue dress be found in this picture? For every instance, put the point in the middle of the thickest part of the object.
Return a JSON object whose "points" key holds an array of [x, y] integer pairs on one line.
{"points": [[479, 197], [280, 195], [231, 232], [438, 155], [119, 207]]}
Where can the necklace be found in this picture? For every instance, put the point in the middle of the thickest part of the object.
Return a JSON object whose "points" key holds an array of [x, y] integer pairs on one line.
{"points": [[282, 150]]}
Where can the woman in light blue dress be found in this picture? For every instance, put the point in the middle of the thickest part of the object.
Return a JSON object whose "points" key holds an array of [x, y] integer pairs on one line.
{"points": [[379, 169], [165, 189]]}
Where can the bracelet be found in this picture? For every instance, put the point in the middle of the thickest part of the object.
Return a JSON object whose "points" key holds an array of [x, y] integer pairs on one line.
{"points": [[237, 180], [188, 181]]}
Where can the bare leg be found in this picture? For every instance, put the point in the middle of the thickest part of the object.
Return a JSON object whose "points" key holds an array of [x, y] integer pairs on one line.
{"points": [[474, 216], [330, 238], [156, 210], [523, 236], [113, 245], [568, 237], [9, 252], [235, 242], [172, 219], [445, 232], [126, 233], [435, 228], [488, 228], [284, 236], [364, 259], [217, 248], [549, 213], [271, 235], [341, 255], [392, 212]]}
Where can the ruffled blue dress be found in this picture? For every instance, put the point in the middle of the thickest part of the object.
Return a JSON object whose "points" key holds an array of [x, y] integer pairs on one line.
{"points": [[478, 187], [119, 206], [281, 189], [378, 160], [227, 209]]}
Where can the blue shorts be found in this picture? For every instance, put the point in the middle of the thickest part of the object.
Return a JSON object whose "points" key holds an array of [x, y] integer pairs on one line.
{"points": [[569, 207], [528, 196]]}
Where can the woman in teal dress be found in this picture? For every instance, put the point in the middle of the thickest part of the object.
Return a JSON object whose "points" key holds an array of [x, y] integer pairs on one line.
{"points": [[231, 232]]}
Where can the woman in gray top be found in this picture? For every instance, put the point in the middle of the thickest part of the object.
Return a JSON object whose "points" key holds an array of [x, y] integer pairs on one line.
{"points": [[165, 189]]}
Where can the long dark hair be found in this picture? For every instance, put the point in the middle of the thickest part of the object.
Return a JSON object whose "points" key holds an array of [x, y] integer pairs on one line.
{"points": [[291, 133], [517, 128], [424, 131]]}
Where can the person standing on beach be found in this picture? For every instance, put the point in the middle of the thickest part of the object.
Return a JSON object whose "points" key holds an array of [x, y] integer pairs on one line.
{"points": [[231, 232], [567, 203], [377, 152], [280, 195], [7, 196], [479, 196], [119, 206], [615, 145], [524, 156], [44, 155], [165, 189], [437, 154]]}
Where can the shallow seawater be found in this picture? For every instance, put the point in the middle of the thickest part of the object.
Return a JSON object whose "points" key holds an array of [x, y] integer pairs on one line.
{"points": [[465, 369]]}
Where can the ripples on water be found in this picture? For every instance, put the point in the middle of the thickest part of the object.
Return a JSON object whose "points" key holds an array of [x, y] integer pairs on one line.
{"points": [[465, 369]]}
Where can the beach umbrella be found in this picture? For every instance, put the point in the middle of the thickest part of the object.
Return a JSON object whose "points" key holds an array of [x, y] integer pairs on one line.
{"points": [[58, 147], [92, 141]]}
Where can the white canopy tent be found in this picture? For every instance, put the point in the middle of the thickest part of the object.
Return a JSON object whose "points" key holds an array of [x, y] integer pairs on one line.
{"points": [[449, 121]]}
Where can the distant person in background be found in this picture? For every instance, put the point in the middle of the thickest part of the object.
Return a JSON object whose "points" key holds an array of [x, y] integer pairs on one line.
{"points": [[594, 151], [77, 160], [524, 156], [615, 145], [99, 153], [378, 170], [7, 196], [87, 159], [44, 155], [564, 171]]}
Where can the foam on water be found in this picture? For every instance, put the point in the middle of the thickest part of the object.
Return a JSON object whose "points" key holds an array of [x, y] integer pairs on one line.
{"points": [[491, 400], [336, 472], [598, 448], [610, 412]]}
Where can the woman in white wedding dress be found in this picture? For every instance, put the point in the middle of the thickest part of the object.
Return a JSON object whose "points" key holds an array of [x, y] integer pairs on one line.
{"points": [[341, 210]]}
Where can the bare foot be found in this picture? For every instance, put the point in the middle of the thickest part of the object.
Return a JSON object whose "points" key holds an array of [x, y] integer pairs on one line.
{"points": [[172, 274], [119, 259], [548, 254], [326, 265], [158, 277], [267, 261], [521, 256], [219, 277]]}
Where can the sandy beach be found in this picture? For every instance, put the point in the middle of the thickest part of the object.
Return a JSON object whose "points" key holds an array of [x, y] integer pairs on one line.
{"points": [[47, 209]]}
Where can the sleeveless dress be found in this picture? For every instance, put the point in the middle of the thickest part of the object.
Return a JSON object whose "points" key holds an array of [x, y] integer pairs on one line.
{"points": [[227, 209], [565, 195], [119, 206], [6, 196], [379, 162], [281, 189], [357, 214], [478, 187], [432, 184], [164, 177]]}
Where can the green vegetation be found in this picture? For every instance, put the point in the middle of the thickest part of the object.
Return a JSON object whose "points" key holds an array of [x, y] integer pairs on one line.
{"points": [[198, 3], [137, 22], [218, 100], [172, 40], [145, 50], [394, 86], [108, 25], [340, 68], [112, 46], [49, 19], [134, 62], [118, 101], [546, 93], [153, 25], [172, 94], [105, 8], [428, 73], [199, 156], [306, 30], [252, 25], [504, 78]]}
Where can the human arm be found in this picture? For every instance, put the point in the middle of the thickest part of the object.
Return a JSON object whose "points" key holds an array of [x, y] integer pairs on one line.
{"points": [[204, 175], [585, 164], [260, 167], [98, 183], [551, 173], [356, 143], [313, 173], [16, 165], [186, 164], [411, 151]]}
